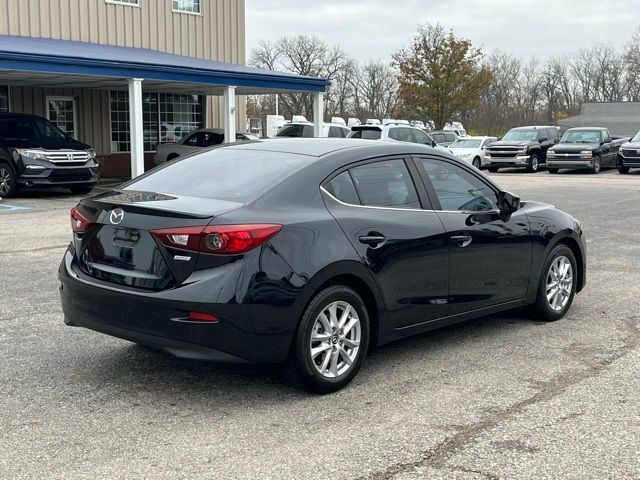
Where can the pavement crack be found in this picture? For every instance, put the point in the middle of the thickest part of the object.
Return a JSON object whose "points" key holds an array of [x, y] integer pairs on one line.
{"points": [[438, 456]]}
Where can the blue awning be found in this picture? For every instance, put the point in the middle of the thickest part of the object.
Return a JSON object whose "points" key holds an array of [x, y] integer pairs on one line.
{"points": [[66, 63]]}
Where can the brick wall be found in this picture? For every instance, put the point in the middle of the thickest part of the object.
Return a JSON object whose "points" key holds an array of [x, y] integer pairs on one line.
{"points": [[118, 165]]}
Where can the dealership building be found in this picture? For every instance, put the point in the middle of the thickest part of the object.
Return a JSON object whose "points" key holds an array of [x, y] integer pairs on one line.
{"points": [[124, 75]]}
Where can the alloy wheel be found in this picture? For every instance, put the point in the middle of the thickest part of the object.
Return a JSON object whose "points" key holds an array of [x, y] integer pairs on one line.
{"points": [[5, 181], [559, 283], [335, 339]]}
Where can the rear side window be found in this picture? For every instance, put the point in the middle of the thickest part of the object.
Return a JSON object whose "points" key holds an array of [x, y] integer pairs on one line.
{"points": [[401, 134], [385, 184], [343, 189], [336, 132], [367, 133], [223, 173]]}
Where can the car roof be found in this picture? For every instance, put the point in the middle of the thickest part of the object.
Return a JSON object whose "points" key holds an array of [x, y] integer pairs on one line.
{"points": [[533, 127], [319, 147]]}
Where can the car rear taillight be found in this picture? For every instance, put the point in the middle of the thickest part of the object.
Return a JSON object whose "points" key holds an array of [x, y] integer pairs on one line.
{"points": [[218, 239], [79, 223]]}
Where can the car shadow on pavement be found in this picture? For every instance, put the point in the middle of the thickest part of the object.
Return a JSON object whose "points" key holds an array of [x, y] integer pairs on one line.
{"points": [[133, 370]]}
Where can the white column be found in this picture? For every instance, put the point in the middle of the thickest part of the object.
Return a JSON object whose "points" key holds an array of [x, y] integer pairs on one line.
{"points": [[318, 113], [229, 114], [135, 126]]}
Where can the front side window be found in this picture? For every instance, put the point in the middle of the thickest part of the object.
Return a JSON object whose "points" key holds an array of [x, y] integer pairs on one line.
{"points": [[458, 189], [4, 99], [420, 137], [296, 131], [385, 184], [189, 6]]}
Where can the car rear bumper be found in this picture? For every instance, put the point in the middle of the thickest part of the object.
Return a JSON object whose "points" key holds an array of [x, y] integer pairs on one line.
{"points": [[253, 333], [569, 163]]}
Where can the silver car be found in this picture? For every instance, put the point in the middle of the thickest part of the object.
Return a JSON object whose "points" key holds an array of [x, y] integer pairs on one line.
{"points": [[192, 142]]}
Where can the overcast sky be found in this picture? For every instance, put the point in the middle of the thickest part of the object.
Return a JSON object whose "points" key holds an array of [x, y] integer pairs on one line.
{"points": [[376, 28]]}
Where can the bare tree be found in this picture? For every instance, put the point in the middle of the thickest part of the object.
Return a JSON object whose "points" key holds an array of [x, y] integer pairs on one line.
{"points": [[375, 90]]}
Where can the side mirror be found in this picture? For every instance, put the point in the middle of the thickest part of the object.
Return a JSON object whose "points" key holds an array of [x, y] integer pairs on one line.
{"points": [[434, 144], [508, 203]]}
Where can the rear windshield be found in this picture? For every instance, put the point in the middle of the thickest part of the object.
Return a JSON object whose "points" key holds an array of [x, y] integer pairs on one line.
{"points": [[366, 133], [296, 131], [222, 173]]}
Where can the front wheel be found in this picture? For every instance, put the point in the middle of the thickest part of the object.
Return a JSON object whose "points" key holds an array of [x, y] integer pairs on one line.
{"points": [[534, 163], [331, 342], [8, 183], [624, 170], [477, 163], [596, 164], [557, 284]]}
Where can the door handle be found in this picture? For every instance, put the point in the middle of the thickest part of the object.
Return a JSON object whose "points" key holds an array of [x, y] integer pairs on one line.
{"points": [[372, 239], [462, 240]]}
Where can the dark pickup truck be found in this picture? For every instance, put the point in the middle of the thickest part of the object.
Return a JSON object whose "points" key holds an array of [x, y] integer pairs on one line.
{"points": [[522, 147], [34, 153], [629, 155], [585, 148]]}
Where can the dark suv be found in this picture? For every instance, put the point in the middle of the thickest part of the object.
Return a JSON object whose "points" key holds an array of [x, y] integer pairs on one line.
{"points": [[522, 147], [34, 153]]}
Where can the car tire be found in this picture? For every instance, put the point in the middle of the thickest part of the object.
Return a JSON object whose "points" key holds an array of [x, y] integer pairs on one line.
{"points": [[8, 181], [533, 165], [624, 170], [477, 163], [81, 190], [596, 165], [493, 169], [324, 356], [552, 170], [550, 309]]}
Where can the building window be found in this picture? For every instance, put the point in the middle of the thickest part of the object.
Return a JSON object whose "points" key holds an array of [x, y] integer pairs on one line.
{"points": [[188, 6], [165, 118], [124, 2], [4, 99], [179, 114]]}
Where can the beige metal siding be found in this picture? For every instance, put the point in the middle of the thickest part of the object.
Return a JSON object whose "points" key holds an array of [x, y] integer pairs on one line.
{"points": [[218, 33]]}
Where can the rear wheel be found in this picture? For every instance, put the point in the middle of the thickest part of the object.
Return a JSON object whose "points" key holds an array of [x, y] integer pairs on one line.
{"points": [[493, 169], [533, 164], [596, 164], [624, 170], [8, 183], [552, 170], [557, 284], [331, 343], [477, 163], [83, 190]]}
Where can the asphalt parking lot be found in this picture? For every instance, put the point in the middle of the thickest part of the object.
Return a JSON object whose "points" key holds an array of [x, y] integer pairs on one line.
{"points": [[499, 397]]}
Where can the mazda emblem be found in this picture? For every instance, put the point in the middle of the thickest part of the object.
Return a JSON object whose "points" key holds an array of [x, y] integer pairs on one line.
{"points": [[116, 216]]}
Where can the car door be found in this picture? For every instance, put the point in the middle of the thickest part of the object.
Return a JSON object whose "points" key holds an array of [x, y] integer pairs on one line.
{"points": [[489, 253], [609, 155], [546, 142], [382, 211]]}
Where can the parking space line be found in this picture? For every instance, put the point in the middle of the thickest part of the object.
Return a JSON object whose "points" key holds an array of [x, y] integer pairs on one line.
{"points": [[12, 208]]}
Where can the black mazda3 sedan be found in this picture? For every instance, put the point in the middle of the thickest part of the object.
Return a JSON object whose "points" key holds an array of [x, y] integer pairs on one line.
{"points": [[310, 252]]}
